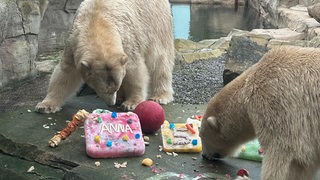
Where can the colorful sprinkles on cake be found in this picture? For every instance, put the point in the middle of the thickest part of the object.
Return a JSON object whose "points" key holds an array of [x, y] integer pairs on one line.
{"points": [[109, 143], [114, 115], [125, 137], [180, 137], [97, 139], [137, 136], [99, 120], [116, 135]]}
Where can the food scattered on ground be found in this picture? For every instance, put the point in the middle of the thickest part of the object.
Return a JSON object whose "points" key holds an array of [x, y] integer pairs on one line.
{"points": [[30, 169], [146, 138], [77, 119], [97, 163], [147, 162], [120, 165]]}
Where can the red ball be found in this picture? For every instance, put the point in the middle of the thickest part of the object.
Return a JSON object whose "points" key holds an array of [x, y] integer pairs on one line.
{"points": [[151, 115]]}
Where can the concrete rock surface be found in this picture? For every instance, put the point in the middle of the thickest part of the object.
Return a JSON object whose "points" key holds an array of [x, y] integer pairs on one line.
{"points": [[314, 11]]}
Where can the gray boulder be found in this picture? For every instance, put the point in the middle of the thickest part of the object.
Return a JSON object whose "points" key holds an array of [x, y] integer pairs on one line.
{"points": [[314, 11], [242, 53], [282, 13]]}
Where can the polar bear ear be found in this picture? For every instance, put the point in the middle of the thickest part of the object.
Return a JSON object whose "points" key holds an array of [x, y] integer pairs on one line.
{"points": [[124, 59], [212, 121]]}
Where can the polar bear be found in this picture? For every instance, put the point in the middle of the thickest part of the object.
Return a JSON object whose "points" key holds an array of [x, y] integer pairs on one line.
{"points": [[276, 100], [123, 49]]}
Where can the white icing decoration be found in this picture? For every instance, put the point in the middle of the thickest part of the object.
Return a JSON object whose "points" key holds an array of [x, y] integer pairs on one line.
{"points": [[181, 141], [128, 128], [115, 128], [181, 136]]}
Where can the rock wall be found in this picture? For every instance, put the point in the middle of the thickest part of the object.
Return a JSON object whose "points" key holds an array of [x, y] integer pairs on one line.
{"points": [[56, 23], [295, 24], [28, 30], [269, 9], [19, 24]]}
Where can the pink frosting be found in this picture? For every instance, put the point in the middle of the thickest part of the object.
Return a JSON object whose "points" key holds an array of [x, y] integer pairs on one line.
{"points": [[110, 135]]}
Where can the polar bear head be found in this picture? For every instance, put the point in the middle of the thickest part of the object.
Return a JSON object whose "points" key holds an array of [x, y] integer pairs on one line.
{"points": [[215, 144], [105, 75], [224, 127]]}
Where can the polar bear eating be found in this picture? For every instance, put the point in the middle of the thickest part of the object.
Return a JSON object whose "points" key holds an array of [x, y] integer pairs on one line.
{"points": [[277, 100], [123, 49]]}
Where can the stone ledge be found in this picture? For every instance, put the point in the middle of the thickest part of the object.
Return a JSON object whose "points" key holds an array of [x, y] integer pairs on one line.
{"points": [[283, 33], [188, 51], [31, 152], [314, 11], [296, 18], [201, 55]]}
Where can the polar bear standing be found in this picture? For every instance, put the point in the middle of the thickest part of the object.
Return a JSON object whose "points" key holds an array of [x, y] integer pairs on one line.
{"points": [[278, 101], [120, 48]]}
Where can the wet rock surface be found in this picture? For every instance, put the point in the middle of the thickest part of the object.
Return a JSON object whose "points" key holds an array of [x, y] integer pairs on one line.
{"points": [[24, 134], [24, 143], [31, 152]]}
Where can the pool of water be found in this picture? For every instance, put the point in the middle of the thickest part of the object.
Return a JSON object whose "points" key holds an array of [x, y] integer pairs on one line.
{"points": [[197, 21]]}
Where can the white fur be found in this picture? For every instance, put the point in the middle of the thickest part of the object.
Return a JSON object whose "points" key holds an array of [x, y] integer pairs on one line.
{"points": [[131, 40], [278, 101]]}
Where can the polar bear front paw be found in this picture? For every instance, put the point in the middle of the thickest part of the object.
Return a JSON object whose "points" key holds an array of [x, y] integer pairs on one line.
{"points": [[127, 106], [162, 99], [47, 107], [130, 104]]}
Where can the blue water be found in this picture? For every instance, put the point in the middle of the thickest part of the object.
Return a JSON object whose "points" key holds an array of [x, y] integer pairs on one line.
{"points": [[181, 21], [197, 22]]}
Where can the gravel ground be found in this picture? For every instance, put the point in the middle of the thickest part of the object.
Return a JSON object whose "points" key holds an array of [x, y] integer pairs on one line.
{"points": [[24, 93], [197, 82], [193, 83]]}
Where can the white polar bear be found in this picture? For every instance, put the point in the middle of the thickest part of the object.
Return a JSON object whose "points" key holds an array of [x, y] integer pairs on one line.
{"points": [[120, 48], [278, 101]]}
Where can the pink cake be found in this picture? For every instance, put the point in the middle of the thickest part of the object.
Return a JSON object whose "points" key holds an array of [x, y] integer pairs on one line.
{"points": [[110, 135]]}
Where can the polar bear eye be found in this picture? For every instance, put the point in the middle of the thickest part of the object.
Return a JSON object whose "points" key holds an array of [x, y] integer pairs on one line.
{"points": [[108, 69]]}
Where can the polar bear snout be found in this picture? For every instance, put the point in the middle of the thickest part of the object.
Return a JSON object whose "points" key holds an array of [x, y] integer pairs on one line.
{"points": [[214, 156], [113, 98], [110, 99]]}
